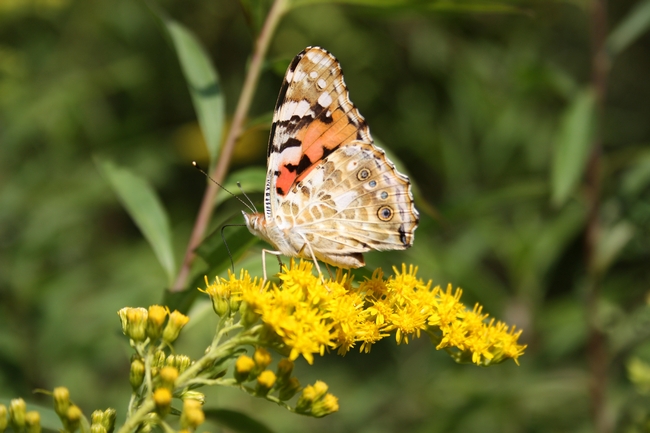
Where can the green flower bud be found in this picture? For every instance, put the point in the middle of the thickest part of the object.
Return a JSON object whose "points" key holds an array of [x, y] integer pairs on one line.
{"points": [[61, 397], [17, 412], [136, 375], [285, 368], [175, 323], [108, 420], [248, 316], [310, 395], [72, 419], [182, 362], [159, 359], [325, 406], [97, 428], [96, 417], [220, 305], [33, 422], [193, 395], [289, 389], [192, 415], [4, 421]]}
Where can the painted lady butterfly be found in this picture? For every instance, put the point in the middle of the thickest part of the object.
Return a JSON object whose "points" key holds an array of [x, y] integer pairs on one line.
{"points": [[330, 193]]}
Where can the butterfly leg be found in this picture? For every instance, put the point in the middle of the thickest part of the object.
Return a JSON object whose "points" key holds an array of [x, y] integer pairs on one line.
{"points": [[313, 257], [275, 253], [329, 271]]}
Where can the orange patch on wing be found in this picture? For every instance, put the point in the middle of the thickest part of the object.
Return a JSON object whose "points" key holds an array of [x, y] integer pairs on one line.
{"points": [[315, 138], [320, 136], [285, 179]]}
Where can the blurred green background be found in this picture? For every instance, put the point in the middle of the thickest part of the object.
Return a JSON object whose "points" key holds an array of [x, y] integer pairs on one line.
{"points": [[524, 126]]}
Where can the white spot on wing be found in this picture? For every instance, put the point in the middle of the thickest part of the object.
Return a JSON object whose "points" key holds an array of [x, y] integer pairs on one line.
{"points": [[325, 99], [298, 75], [321, 83], [291, 155], [343, 201], [294, 108], [313, 74]]}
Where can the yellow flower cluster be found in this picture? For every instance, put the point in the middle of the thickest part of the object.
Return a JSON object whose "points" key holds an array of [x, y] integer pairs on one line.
{"points": [[311, 316]]}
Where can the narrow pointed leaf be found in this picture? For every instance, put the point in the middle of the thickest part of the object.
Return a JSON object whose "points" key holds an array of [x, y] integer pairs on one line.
{"points": [[611, 243], [572, 146], [203, 82], [143, 205], [635, 24]]}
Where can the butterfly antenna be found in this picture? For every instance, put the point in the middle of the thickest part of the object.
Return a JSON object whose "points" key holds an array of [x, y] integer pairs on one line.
{"points": [[252, 209], [232, 263], [247, 197]]}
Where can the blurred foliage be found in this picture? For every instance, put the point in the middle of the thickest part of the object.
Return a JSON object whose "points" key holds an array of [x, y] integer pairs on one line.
{"points": [[490, 108]]}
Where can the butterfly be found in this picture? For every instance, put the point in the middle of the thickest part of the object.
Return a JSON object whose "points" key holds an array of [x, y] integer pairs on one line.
{"points": [[330, 193]]}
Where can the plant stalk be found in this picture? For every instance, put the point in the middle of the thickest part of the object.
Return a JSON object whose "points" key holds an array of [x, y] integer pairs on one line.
{"points": [[220, 170], [598, 358]]}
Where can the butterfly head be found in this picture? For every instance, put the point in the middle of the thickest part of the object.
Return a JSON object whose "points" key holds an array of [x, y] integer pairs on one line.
{"points": [[257, 225]]}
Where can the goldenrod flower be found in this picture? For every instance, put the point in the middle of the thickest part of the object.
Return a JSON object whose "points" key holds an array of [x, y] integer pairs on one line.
{"points": [[168, 376], [243, 367], [156, 316], [162, 397], [134, 322], [265, 382], [311, 315]]}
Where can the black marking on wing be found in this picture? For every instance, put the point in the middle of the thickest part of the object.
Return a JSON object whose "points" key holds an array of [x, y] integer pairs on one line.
{"points": [[281, 97], [303, 165], [291, 142], [327, 152], [402, 234]]}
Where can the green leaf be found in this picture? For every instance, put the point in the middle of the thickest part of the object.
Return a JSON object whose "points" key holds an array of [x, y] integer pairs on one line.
{"points": [[572, 146], [636, 23], [610, 244], [236, 421], [203, 82], [143, 205]]}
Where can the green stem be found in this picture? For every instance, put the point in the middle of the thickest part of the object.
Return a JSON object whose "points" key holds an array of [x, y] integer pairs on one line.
{"points": [[187, 377], [236, 128], [133, 421]]}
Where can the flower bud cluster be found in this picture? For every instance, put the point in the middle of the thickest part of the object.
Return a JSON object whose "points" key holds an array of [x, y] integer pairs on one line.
{"points": [[18, 418], [281, 381], [316, 401], [226, 296], [153, 324], [103, 421]]}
